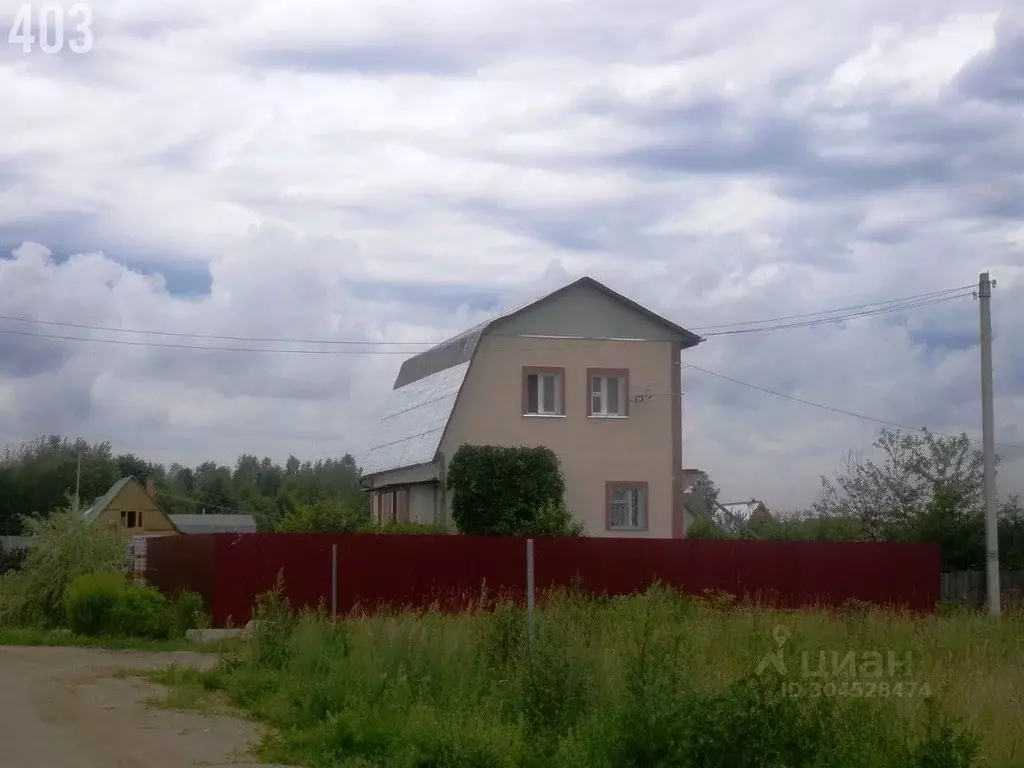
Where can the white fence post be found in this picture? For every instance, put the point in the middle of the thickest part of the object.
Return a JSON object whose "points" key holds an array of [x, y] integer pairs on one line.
{"points": [[529, 590], [334, 581]]}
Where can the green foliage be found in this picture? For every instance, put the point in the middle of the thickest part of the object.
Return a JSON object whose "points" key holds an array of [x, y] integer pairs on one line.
{"points": [[922, 487], [91, 601], [274, 627], [108, 605], [141, 611], [410, 529], [187, 612], [325, 516], [504, 491], [11, 560], [35, 477], [702, 529], [552, 519], [705, 488], [63, 545], [331, 516], [651, 681]]}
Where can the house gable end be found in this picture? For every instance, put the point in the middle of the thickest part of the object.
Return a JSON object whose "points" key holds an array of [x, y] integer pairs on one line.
{"points": [[587, 309], [129, 495]]}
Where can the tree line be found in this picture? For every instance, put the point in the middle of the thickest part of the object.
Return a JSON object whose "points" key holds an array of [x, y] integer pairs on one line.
{"points": [[36, 476], [916, 486]]}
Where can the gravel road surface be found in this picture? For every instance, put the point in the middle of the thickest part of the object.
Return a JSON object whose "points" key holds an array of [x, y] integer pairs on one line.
{"points": [[64, 707]]}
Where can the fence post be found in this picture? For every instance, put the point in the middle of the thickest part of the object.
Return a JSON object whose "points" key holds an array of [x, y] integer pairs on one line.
{"points": [[529, 590], [334, 582]]}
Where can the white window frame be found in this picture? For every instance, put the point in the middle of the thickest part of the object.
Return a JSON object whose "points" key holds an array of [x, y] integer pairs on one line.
{"points": [[544, 408], [636, 503], [600, 395]]}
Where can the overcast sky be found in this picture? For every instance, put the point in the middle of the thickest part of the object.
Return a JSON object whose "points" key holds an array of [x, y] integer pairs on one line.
{"points": [[398, 171]]}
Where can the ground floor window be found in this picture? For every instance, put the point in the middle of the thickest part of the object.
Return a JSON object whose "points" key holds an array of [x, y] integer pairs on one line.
{"points": [[404, 504], [626, 506]]}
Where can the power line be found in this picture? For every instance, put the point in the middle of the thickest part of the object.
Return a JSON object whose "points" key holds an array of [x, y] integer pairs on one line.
{"points": [[843, 318], [880, 307], [837, 310], [404, 352], [214, 337], [162, 345], [833, 409]]}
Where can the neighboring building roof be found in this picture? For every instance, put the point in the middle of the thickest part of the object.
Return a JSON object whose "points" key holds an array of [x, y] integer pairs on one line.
{"points": [[214, 523], [95, 509], [742, 510], [11, 543], [428, 384]]}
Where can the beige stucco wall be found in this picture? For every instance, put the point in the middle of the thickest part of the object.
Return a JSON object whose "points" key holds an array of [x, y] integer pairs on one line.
{"points": [[592, 450], [134, 497]]}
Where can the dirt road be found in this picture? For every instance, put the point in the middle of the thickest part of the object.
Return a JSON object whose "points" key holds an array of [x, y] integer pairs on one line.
{"points": [[63, 707]]}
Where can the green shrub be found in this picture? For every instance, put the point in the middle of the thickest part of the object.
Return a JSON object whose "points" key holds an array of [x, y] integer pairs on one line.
{"points": [[406, 529], [275, 624], [64, 545], [91, 601], [108, 605], [506, 490], [553, 520], [141, 612], [324, 516], [187, 613]]}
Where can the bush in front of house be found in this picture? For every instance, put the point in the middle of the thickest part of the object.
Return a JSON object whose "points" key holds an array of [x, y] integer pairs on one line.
{"points": [[324, 516], [109, 605], [64, 545], [508, 491]]}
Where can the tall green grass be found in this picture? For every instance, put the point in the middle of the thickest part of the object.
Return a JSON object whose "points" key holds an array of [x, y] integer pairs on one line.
{"points": [[643, 682]]}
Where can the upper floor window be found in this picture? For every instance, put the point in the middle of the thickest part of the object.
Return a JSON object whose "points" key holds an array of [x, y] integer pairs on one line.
{"points": [[544, 391], [131, 519], [607, 392]]}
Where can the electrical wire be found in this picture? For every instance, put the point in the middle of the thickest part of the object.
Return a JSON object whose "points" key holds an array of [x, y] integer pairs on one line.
{"points": [[843, 318], [162, 345], [214, 337], [833, 409], [852, 308], [879, 308]]}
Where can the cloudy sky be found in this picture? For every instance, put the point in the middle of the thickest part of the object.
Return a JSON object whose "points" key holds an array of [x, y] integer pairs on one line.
{"points": [[395, 171]]}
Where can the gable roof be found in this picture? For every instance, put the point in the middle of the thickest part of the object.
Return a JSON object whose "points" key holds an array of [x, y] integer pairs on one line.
{"points": [[743, 510], [214, 523], [428, 384], [97, 508], [99, 504]]}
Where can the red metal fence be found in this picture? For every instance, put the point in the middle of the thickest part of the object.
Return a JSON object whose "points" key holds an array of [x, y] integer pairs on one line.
{"points": [[231, 570]]}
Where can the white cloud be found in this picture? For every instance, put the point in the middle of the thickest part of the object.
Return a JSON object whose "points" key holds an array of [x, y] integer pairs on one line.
{"points": [[388, 171]]}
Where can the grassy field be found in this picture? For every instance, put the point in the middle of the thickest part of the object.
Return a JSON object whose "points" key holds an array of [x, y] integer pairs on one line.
{"points": [[653, 680]]}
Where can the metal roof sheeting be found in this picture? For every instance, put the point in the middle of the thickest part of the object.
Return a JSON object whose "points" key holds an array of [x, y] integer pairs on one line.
{"points": [[214, 523], [414, 421]]}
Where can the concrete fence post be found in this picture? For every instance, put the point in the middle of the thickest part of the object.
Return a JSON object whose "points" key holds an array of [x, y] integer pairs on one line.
{"points": [[529, 590]]}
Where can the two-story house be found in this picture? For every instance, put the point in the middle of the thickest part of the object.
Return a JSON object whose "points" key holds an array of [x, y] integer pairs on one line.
{"points": [[585, 371]]}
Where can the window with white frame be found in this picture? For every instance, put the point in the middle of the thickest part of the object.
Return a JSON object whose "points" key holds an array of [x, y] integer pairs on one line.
{"points": [[542, 394], [608, 394], [627, 507]]}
